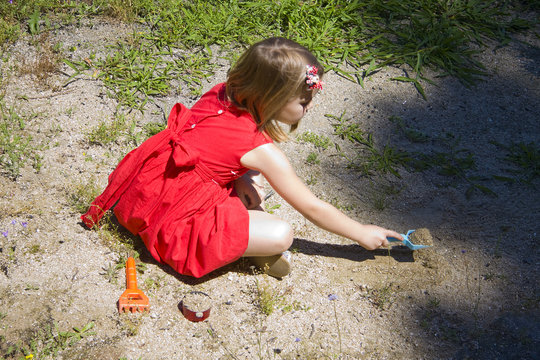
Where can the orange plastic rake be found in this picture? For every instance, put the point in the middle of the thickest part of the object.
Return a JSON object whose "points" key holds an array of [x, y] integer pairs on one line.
{"points": [[132, 299]]}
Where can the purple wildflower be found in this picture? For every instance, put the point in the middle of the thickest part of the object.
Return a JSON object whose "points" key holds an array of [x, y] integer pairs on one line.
{"points": [[297, 339], [24, 224], [5, 233], [13, 222], [332, 297], [463, 251]]}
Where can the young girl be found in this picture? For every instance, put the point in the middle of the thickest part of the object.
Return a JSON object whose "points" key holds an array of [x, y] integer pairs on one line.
{"points": [[192, 192]]}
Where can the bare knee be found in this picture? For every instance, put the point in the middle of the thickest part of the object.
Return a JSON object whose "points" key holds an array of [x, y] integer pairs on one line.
{"points": [[268, 235], [282, 236]]}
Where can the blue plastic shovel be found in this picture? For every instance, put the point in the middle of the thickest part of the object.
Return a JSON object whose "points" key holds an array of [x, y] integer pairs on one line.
{"points": [[407, 242]]}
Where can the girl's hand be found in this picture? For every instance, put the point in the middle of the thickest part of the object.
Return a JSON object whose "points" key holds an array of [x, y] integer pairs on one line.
{"points": [[250, 189], [374, 237]]}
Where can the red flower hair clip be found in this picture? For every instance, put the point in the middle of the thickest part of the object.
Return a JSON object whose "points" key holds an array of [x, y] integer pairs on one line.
{"points": [[312, 79]]}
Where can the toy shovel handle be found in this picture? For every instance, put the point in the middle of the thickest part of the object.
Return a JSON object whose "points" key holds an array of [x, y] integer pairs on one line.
{"points": [[393, 239], [131, 274]]}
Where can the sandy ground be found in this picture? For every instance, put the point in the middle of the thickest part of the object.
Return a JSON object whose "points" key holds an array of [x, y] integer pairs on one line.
{"points": [[474, 294]]}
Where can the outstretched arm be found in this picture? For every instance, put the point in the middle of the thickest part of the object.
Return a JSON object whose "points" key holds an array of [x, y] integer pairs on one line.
{"points": [[276, 168]]}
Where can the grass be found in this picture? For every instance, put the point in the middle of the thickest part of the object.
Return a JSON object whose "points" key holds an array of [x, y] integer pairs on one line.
{"points": [[455, 164], [525, 157], [382, 298], [352, 38], [17, 146], [381, 192], [268, 299], [45, 341], [320, 142], [369, 158], [81, 195]]}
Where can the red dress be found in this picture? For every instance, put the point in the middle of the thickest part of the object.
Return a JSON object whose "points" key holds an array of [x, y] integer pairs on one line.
{"points": [[176, 190]]}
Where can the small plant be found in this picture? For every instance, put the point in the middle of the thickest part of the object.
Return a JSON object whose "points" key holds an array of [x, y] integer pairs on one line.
{"points": [[381, 193], [110, 273], [454, 164], [411, 134], [153, 128], [382, 298], [151, 285], [370, 158], [45, 342], [46, 60], [271, 208], [34, 249], [17, 147], [118, 239], [526, 157], [313, 158], [129, 325], [312, 180], [319, 141], [69, 338], [107, 133], [82, 195], [267, 299]]}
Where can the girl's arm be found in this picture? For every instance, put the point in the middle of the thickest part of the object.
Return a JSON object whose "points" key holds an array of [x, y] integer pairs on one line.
{"points": [[276, 168]]}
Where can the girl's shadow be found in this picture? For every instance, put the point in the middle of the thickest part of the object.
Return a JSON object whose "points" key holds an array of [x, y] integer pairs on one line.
{"points": [[351, 252]]}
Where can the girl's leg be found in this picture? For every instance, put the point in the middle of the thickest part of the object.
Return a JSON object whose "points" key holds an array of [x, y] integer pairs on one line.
{"points": [[268, 234]]}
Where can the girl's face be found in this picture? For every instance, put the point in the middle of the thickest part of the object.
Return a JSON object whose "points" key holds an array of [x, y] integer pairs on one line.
{"points": [[296, 108]]}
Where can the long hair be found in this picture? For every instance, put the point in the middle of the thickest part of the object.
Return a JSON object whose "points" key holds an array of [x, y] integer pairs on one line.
{"points": [[268, 75]]}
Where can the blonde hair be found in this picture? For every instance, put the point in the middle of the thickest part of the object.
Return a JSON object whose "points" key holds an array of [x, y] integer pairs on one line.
{"points": [[267, 76]]}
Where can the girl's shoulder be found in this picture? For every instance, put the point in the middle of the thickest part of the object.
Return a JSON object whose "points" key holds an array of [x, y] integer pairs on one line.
{"points": [[211, 99]]}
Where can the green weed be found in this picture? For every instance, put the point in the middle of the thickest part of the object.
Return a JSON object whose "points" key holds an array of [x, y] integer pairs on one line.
{"points": [[111, 273], [319, 141], [411, 134], [454, 164], [129, 325], [526, 157], [365, 35], [382, 298], [45, 342], [153, 128], [370, 158], [81, 195], [313, 158], [17, 146], [106, 133], [118, 239], [381, 193], [151, 285], [271, 208], [46, 60], [268, 300]]}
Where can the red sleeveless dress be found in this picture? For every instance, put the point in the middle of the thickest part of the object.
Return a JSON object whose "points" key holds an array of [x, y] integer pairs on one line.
{"points": [[175, 190]]}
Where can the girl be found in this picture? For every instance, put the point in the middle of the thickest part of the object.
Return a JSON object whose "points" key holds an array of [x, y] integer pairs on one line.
{"points": [[192, 192]]}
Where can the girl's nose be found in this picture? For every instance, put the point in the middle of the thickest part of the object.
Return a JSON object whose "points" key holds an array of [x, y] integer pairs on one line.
{"points": [[309, 106]]}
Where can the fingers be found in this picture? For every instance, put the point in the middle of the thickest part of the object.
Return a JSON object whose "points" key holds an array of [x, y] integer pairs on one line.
{"points": [[391, 233]]}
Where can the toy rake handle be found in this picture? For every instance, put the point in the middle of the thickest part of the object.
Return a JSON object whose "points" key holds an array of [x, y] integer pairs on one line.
{"points": [[131, 274]]}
